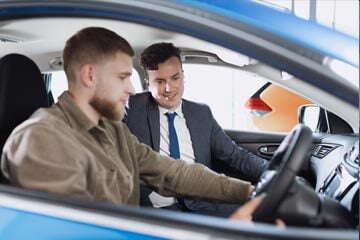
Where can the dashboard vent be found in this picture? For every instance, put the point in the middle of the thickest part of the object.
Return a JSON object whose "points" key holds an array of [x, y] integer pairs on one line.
{"points": [[321, 151]]}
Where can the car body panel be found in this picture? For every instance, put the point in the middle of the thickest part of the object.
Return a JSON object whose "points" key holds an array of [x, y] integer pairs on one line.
{"points": [[287, 26], [283, 104], [45, 227], [301, 61], [125, 221]]}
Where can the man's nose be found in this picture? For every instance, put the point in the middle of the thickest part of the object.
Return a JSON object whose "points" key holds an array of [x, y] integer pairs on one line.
{"points": [[130, 88], [167, 87]]}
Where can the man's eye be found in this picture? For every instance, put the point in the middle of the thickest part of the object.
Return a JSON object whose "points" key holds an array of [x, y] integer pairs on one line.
{"points": [[158, 82], [123, 78]]}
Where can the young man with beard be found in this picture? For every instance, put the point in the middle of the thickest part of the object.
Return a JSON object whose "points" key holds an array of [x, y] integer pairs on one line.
{"points": [[80, 148], [200, 138]]}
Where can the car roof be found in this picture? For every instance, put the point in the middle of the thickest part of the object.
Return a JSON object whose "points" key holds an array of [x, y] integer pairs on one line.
{"points": [[215, 26], [260, 20], [306, 33]]}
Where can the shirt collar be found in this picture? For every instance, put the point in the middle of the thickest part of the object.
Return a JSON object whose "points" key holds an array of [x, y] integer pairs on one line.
{"points": [[76, 117], [178, 110]]}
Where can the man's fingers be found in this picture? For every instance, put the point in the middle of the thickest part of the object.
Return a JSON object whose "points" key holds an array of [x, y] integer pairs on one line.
{"points": [[250, 206], [245, 212], [280, 223]]}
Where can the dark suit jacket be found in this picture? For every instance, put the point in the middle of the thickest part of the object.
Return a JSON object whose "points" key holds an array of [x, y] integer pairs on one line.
{"points": [[209, 140]]}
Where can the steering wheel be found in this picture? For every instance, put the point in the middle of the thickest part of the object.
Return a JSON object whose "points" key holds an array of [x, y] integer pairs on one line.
{"points": [[277, 179]]}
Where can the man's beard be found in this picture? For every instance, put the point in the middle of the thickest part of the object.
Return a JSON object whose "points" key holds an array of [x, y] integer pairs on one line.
{"points": [[106, 108]]}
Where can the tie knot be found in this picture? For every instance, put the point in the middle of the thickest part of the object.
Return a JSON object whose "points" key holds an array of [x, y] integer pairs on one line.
{"points": [[171, 116]]}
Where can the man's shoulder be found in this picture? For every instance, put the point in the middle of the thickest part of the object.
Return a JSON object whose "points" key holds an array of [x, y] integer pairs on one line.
{"points": [[138, 105], [195, 106], [140, 98], [41, 118]]}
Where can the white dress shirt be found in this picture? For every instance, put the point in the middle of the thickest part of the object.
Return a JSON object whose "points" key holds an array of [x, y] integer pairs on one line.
{"points": [[185, 146]]}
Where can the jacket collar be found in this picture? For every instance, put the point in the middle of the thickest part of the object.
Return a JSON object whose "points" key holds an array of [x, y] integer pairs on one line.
{"points": [[75, 116]]}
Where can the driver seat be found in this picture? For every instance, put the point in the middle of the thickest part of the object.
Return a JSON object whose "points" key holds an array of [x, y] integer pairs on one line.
{"points": [[22, 91]]}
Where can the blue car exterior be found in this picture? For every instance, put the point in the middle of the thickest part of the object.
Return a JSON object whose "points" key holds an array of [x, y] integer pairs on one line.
{"points": [[307, 34], [19, 222], [265, 26]]}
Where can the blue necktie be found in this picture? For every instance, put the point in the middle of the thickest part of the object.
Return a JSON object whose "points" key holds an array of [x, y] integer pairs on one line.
{"points": [[174, 148], [174, 144]]}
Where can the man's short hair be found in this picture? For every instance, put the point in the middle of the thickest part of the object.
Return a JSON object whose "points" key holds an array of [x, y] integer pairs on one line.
{"points": [[92, 45], [158, 53]]}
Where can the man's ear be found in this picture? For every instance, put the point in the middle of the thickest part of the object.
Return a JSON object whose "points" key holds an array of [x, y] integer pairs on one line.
{"points": [[87, 75], [147, 83]]}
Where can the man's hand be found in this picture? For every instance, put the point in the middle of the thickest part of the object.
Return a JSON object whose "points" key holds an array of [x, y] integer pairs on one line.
{"points": [[244, 213]]}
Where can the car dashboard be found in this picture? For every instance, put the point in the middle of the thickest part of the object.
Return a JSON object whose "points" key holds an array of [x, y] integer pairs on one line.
{"points": [[335, 162]]}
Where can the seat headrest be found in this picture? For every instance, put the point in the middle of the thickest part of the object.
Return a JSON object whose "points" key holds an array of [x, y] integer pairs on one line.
{"points": [[22, 91]]}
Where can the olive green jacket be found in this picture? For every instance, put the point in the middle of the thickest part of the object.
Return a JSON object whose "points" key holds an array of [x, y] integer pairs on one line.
{"points": [[60, 150]]}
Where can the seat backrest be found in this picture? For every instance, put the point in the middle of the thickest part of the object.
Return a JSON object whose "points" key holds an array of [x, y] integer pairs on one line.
{"points": [[22, 91]]}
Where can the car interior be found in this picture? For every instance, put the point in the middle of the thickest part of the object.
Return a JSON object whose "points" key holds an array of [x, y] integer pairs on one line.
{"points": [[19, 70], [313, 178]]}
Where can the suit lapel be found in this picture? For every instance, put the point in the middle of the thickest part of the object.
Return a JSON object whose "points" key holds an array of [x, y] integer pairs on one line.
{"points": [[193, 123], [154, 124]]}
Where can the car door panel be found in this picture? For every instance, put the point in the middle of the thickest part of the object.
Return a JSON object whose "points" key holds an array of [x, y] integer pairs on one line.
{"points": [[264, 144], [259, 143]]}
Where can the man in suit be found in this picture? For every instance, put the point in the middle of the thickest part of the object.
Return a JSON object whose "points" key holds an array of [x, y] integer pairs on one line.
{"points": [[200, 139]]}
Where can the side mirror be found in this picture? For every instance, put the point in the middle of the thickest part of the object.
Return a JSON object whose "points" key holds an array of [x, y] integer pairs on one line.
{"points": [[321, 120], [310, 116]]}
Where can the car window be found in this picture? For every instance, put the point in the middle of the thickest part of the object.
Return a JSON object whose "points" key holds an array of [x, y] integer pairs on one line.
{"points": [[225, 90], [242, 101], [59, 83]]}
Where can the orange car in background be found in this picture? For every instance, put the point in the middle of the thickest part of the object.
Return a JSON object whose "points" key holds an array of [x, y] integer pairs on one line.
{"points": [[274, 108]]}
